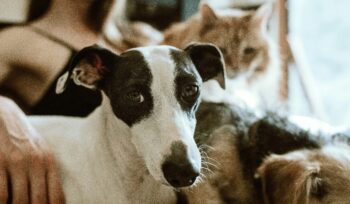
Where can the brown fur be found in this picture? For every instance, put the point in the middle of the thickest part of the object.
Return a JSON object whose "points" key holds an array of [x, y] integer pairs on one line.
{"points": [[251, 58], [305, 176], [316, 176], [240, 35], [222, 173]]}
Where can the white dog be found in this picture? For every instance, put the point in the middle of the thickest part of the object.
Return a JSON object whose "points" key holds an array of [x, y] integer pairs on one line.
{"points": [[138, 146]]}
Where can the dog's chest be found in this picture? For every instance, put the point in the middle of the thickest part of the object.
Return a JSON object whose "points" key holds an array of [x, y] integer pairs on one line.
{"points": [[91, 173], [119, 189]]}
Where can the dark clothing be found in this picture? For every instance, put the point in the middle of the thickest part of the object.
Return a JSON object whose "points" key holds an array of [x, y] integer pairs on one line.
{"points": [[74, 101]]}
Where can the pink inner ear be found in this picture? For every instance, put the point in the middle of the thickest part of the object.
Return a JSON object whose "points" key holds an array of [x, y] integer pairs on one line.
{"points": [[96, 62]]}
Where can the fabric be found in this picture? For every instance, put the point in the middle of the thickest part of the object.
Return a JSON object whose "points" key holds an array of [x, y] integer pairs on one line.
{"points": [[74, 101]]}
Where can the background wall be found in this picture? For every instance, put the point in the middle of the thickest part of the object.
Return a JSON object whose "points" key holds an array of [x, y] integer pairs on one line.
{"points": [[324, 29]]}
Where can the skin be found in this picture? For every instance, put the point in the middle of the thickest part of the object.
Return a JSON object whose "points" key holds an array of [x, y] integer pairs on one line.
{"points": [[24, 161], [28, 172]]}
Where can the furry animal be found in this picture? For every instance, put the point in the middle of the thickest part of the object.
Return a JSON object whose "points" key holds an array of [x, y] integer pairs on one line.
{"points": [[138, 146], [307, 176], [249, 160], [251, 57]]}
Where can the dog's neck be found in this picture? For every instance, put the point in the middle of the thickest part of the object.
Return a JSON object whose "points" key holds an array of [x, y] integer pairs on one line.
{"points": [[129, 170]]}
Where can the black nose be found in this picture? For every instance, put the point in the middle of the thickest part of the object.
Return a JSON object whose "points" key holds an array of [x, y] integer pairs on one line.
{"points": [[179, 174], [177, 168]]}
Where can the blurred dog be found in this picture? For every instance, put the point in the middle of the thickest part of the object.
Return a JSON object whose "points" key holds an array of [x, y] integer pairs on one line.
{"points": [[272, 160], [307, 176]]}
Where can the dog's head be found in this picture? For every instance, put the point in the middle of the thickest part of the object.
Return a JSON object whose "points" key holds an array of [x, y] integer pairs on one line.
{"points": [[155, 91], [307, 176]]}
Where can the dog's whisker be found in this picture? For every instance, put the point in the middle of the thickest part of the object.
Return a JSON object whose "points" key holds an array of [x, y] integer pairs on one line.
{"points": [[212, 162], [206, 146], [206, 160], [207, 170], [209, 164]]}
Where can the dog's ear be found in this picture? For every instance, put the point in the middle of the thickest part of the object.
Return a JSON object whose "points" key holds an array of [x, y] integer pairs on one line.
{"points": [[289, 180], [209, 61], [87, 68]]}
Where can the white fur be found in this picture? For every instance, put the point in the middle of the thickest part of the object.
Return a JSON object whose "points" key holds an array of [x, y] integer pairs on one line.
{"points": [[102, 160], [97, 161], [167, 119], [261, 94]]}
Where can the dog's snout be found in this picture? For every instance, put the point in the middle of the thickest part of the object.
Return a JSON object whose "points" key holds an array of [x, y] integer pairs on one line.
{"points": [[179, 174], [178, 169]]}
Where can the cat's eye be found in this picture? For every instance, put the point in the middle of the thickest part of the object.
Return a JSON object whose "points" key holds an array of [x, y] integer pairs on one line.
{"points": [[190, 93], [249, 50], [135, 97]]}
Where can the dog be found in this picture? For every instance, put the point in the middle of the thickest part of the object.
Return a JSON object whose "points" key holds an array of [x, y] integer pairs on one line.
{"points": [[268, 160], [307, 176], [138, 145]]}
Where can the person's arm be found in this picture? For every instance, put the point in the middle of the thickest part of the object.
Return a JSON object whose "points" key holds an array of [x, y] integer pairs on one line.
{"points": [[28, 170]]}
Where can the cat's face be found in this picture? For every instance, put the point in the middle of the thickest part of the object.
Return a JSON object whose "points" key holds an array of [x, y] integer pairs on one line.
{"points": [[241, 36]]}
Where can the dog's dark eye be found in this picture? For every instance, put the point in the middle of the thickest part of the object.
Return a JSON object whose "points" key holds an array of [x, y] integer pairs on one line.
{"points": [[190, 93], [249, 50], [135, 96]]}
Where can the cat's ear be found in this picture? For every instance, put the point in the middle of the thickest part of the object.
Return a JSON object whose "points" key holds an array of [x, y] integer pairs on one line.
{"points": [[87, 68], [209, 62], [262, 16], [208, 14]]}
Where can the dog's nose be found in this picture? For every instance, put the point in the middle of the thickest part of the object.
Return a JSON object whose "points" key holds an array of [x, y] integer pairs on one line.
{"points": [[177, 168], [179, 174]]}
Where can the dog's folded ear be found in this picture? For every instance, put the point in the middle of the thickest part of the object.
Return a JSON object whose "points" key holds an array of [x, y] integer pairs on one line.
{"points": [[209, 61], [289, 180], [87, 68]]}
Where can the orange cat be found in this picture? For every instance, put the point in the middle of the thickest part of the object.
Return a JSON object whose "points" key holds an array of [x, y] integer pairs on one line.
{"points": [[250, 55]]}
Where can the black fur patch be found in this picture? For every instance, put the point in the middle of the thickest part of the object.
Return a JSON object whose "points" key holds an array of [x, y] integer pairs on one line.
{"points": [[255, 138], [273, 134], [185, 74], [129, 73], [211, 116]]}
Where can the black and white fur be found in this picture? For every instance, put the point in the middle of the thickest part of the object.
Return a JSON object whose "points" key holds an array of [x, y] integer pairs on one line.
{"points": [[236, 142], [139, 144]]}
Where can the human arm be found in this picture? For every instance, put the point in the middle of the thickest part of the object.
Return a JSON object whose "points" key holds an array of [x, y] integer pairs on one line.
{"points": [[28, 172]]}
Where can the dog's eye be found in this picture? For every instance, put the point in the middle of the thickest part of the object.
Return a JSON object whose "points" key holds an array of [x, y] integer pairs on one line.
{"points": [[249, 50], [135, 97], [190, 92]]}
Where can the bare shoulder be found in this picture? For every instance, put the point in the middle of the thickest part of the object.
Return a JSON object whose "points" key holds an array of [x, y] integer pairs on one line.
{"points": [[24, 48], [15, 42], [15, 35], [9, 40], [26, 56]]}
